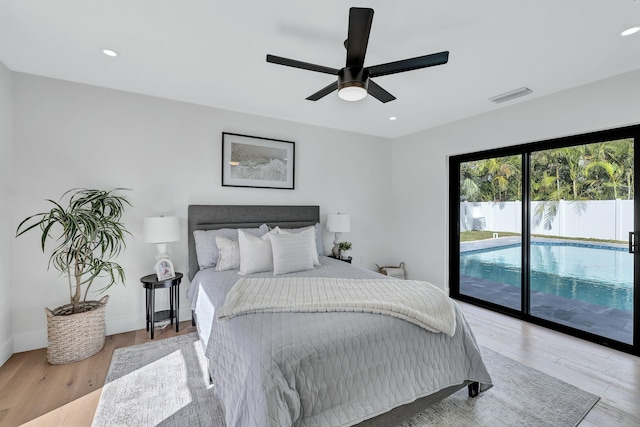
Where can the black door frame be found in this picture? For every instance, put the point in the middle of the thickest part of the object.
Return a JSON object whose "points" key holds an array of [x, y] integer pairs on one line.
{"points": [[525, 150]]}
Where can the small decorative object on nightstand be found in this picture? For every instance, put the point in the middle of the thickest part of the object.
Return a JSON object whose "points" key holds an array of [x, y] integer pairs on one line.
{"points": [[345, 250], [150, 284]]}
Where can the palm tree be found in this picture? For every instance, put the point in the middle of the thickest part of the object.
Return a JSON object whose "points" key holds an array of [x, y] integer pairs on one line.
{"points": [[614, 172], [469, 181]]}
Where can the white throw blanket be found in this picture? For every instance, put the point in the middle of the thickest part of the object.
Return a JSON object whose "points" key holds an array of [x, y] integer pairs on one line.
{"points": [[420, 303]]}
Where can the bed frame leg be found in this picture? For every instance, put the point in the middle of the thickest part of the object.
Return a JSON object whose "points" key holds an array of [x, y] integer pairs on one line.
{"points": [[474, 389]]}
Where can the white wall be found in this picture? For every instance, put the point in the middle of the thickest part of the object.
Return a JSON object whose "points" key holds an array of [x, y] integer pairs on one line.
{"points": [[420, 161], [70, 135], [6, 229]]}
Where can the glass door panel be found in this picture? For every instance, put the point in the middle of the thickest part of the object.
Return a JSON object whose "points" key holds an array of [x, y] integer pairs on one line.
{"points": [[490, 230], [582, 210]]}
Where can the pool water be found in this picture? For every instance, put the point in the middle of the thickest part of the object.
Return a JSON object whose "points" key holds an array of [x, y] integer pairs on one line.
{"points": [[589, 273]]}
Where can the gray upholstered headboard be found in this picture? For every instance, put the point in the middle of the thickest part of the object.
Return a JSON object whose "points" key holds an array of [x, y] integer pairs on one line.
{"points": [[213, 217]]}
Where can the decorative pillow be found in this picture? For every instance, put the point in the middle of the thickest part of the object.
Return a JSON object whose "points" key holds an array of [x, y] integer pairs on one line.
{"points": [[256, 255], [205, 240], [292, 252], [310, 233], [318, 238], [229, 258]]}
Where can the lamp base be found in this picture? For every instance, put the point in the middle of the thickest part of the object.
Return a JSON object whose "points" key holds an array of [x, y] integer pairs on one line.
{"points": [[161, 251], [335, 251]]}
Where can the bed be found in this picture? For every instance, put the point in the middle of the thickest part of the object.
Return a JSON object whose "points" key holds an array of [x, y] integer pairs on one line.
{"points": [[319, 368]]}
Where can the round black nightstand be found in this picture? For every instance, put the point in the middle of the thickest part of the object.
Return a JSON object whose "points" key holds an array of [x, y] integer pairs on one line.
{"points": [[349, 259], [150, 284]]}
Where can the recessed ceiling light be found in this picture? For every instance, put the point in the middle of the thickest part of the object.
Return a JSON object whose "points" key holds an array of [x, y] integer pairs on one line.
{"points": [[109, 52], [630, 31], [393, 118]]}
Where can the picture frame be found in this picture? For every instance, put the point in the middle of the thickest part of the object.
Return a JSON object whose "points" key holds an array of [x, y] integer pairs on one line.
{"points": [[164, 269], [252, 161]]}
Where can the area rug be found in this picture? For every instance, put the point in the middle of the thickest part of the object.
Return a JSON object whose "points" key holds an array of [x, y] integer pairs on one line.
{"points": [[164, 383]]}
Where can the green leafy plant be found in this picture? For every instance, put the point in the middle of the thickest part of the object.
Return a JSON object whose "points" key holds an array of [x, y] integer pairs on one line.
{"points": [[90, 235], [345, 246]]}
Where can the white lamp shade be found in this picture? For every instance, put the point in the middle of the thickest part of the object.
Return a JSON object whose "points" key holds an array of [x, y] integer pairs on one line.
{"points": [[339, 223], [161, 229]]}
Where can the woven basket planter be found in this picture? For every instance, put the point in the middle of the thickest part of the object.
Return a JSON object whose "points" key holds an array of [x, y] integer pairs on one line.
{"points": [[74, 337], [393, 271]]}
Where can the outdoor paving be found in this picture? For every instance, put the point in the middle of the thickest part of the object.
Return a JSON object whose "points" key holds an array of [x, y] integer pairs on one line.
{"points": [[604, 321]]}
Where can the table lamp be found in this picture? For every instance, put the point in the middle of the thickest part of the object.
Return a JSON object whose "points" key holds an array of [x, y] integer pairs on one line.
{"points": [[338, 223], [161, 230]]}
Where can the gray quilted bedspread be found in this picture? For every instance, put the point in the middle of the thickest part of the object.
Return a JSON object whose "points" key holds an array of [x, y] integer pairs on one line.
{"points": [[324, 369]]}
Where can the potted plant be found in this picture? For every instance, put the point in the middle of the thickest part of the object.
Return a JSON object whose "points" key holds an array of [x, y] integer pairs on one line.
{"points": [[89, 234], [345, 250]]}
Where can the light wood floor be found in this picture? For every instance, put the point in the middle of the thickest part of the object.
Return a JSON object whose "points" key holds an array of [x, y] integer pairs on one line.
{"points": [[610, 374], [39, 394]]}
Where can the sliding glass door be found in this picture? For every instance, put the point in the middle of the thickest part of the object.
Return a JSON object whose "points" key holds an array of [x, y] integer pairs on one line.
{"points": [[490, 230], [546, 232], [581, 271]]}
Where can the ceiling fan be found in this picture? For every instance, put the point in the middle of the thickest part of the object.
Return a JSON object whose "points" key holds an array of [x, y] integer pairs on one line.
{"points": [[354, 80]]}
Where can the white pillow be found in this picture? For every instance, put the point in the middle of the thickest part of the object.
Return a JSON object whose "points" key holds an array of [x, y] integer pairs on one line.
{"points": [[206, 247], [292, 252], [256, 255], [318, 238], [310, 233], [229, 249]]}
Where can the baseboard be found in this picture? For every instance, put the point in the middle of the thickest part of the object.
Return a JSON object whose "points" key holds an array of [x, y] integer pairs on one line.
{"points": [[6, 350], [133, 323], [38, 339]]}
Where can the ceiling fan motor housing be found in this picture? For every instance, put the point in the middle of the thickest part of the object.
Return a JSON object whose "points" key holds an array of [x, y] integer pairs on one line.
{"points": [[353, 76]]}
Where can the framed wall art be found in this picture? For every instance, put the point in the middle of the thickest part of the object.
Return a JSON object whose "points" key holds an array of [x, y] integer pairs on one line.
{"points": [[251, 161]]}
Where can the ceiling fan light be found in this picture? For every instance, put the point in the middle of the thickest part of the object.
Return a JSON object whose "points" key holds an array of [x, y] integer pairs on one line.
{"points": [[352, 92]]}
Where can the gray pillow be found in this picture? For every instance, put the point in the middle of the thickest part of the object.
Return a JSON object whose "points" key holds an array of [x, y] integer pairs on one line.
{"points": [[206, 248], [229, 258]]}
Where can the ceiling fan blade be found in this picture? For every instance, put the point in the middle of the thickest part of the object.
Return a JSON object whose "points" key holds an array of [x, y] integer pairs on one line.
{"points": [[323, 92], [378, 93], [299, 64], [409, 64], [358, 37]]}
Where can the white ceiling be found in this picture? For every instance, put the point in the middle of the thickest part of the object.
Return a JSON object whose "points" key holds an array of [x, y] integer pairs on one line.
{"points": [[213, 52]]}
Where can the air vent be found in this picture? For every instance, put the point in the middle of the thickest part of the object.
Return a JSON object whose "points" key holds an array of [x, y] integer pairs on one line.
{"points": [[511, 95]]}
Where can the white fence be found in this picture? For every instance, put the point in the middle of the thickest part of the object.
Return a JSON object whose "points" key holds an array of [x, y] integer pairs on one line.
{"points": [[598, 219]]}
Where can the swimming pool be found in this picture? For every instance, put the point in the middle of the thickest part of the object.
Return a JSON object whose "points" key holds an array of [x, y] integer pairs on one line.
{"points": [[592, 274]]}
